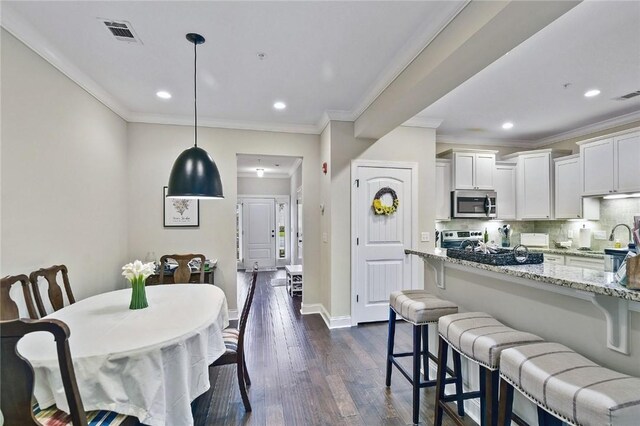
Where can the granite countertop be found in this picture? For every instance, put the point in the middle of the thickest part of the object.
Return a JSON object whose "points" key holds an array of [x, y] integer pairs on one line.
{"points": [[598, 282], [571, 252]]}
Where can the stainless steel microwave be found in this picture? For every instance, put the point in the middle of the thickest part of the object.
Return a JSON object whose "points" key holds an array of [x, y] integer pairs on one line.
{"points": [[473, 204]]}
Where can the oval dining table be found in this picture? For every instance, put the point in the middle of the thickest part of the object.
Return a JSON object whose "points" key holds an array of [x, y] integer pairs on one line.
{"points": [[149, 363]]}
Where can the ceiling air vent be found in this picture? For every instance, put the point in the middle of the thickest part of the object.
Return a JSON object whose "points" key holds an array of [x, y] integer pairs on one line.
{"points": [[629, 96], [121, 30]]}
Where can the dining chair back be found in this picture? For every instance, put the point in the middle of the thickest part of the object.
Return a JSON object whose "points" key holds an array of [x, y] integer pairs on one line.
{"points": [[8, 307], [17, 373], [182, 274], [54, 290], [234, 342]]}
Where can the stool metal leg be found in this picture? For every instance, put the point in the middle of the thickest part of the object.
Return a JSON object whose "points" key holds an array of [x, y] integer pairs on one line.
{"points": [[417, 334], [443, 349], [506, 403], [458, 373], [425, 350], [390, 342]]}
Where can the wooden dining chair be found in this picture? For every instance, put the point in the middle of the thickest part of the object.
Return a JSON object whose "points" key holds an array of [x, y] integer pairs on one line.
{"points": [[17, 379], [8, 307], [182, 274], [234, 342], [54, 290]]}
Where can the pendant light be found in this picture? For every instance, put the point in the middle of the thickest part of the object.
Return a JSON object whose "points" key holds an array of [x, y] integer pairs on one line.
{"points": [[194, 173]]}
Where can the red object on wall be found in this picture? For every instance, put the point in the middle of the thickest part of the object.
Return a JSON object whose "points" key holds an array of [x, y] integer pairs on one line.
{"points": [[324, 167]]}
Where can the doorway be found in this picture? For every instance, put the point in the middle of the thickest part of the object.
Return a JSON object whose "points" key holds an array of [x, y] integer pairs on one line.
{"points": [[266, 219], [379, 264]]}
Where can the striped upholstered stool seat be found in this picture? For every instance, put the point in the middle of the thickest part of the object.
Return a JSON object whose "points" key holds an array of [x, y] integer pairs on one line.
{"points": [[53, 417], [419, 306], [481, 337], [571, 387]]}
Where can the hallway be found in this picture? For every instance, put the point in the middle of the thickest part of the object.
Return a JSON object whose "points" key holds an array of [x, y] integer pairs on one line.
{"points": [[304, 374]]}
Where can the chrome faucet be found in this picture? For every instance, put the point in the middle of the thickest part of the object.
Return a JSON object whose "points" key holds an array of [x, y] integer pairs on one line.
{"points": [[614, 229]]}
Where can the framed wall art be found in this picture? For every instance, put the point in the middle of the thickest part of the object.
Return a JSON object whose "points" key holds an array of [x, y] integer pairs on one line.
{"points": [[180, 212]]}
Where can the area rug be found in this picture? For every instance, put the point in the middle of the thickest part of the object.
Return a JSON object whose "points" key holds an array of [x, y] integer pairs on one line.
{"points": [[278, 282]]}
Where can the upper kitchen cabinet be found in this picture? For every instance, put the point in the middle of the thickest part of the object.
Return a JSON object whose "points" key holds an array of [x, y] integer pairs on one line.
{"points": [[472, 169], [534, 183], [611, 165], [504, 178], [569, 203], [443, 189]]}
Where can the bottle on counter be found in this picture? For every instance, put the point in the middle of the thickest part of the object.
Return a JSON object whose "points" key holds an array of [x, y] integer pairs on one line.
{"points": [[485, 238], [617, 244]]}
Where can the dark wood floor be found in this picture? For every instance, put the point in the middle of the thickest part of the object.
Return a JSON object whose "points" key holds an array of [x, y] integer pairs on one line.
{"points": [[304, 374]]}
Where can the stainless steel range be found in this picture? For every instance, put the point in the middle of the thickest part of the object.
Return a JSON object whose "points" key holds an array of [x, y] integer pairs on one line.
{"points": [[453, 239]]}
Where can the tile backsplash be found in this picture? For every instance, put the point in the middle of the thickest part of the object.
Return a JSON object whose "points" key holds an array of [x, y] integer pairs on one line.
{"points": [[612, 212]]}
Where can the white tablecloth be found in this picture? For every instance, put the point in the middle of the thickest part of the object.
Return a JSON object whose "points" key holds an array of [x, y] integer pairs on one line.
{"points": [[150, 363]]}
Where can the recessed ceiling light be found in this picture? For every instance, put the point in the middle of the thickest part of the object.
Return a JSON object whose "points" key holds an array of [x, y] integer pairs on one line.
{"points": [[260, 172], [508, 125], [279, 105], [591, 93], [163, 94]]}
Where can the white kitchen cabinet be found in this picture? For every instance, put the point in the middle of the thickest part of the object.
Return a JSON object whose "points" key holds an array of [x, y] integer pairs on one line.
{"points": [[611, 165], [553, 258], [533, 186], [504, 178], [569, 203], [626, 175], [585, 262], [534, 183], [472, 170], [443, 189]]}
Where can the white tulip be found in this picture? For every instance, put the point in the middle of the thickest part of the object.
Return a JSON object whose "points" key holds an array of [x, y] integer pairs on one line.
{"points": [[137, 269]]}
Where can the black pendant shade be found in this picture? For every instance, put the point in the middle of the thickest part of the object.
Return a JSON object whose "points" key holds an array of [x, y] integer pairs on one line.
{"points": [[194, 173]]}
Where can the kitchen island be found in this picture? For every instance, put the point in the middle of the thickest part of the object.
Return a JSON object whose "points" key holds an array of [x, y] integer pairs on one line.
{"points": [[581, 308]]}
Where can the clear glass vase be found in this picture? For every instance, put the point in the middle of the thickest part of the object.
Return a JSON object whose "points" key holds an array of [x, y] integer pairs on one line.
{"points": [[138, 294]]}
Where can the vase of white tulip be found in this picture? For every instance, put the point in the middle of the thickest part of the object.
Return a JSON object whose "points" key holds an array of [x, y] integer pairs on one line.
{"points": [[137, 273]]}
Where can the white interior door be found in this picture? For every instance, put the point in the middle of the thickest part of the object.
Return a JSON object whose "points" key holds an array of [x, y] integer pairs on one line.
{"points": [[380, 263], [260, 232]]}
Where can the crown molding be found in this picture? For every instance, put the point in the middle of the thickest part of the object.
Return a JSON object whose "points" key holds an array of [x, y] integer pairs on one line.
{"points": [[309, 129], [27, 34], [459, 140], [590, 128], [334, 115], [417, 43], [426, 122]]}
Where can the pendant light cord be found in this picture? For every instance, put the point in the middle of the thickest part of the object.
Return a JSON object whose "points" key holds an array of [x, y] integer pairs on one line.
{"points": [[195, 94]]}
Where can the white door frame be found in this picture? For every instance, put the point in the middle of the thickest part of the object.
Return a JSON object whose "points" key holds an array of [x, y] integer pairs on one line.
{"points": [[413, 166]]}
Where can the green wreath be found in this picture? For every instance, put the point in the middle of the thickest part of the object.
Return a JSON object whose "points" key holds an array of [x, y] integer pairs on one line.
{"points": [[381, 209]]}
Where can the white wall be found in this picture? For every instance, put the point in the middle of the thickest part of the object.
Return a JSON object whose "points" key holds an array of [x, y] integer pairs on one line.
{"points": [[263, 186], [295, 183], [152, 150], [64, 176], [410, 144]]}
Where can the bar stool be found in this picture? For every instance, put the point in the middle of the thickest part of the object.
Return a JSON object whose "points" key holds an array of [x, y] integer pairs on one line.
{"points": [[567, 387], [480, 338], [419, 308]]}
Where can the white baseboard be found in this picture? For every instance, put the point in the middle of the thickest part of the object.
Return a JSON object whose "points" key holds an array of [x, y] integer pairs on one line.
{"points": [[331, 322], [233, 314]]}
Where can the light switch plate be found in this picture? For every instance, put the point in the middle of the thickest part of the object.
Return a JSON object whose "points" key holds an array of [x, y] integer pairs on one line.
{"points": [[325, 237], [425, 237], [599, 235], [570, 233]]}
